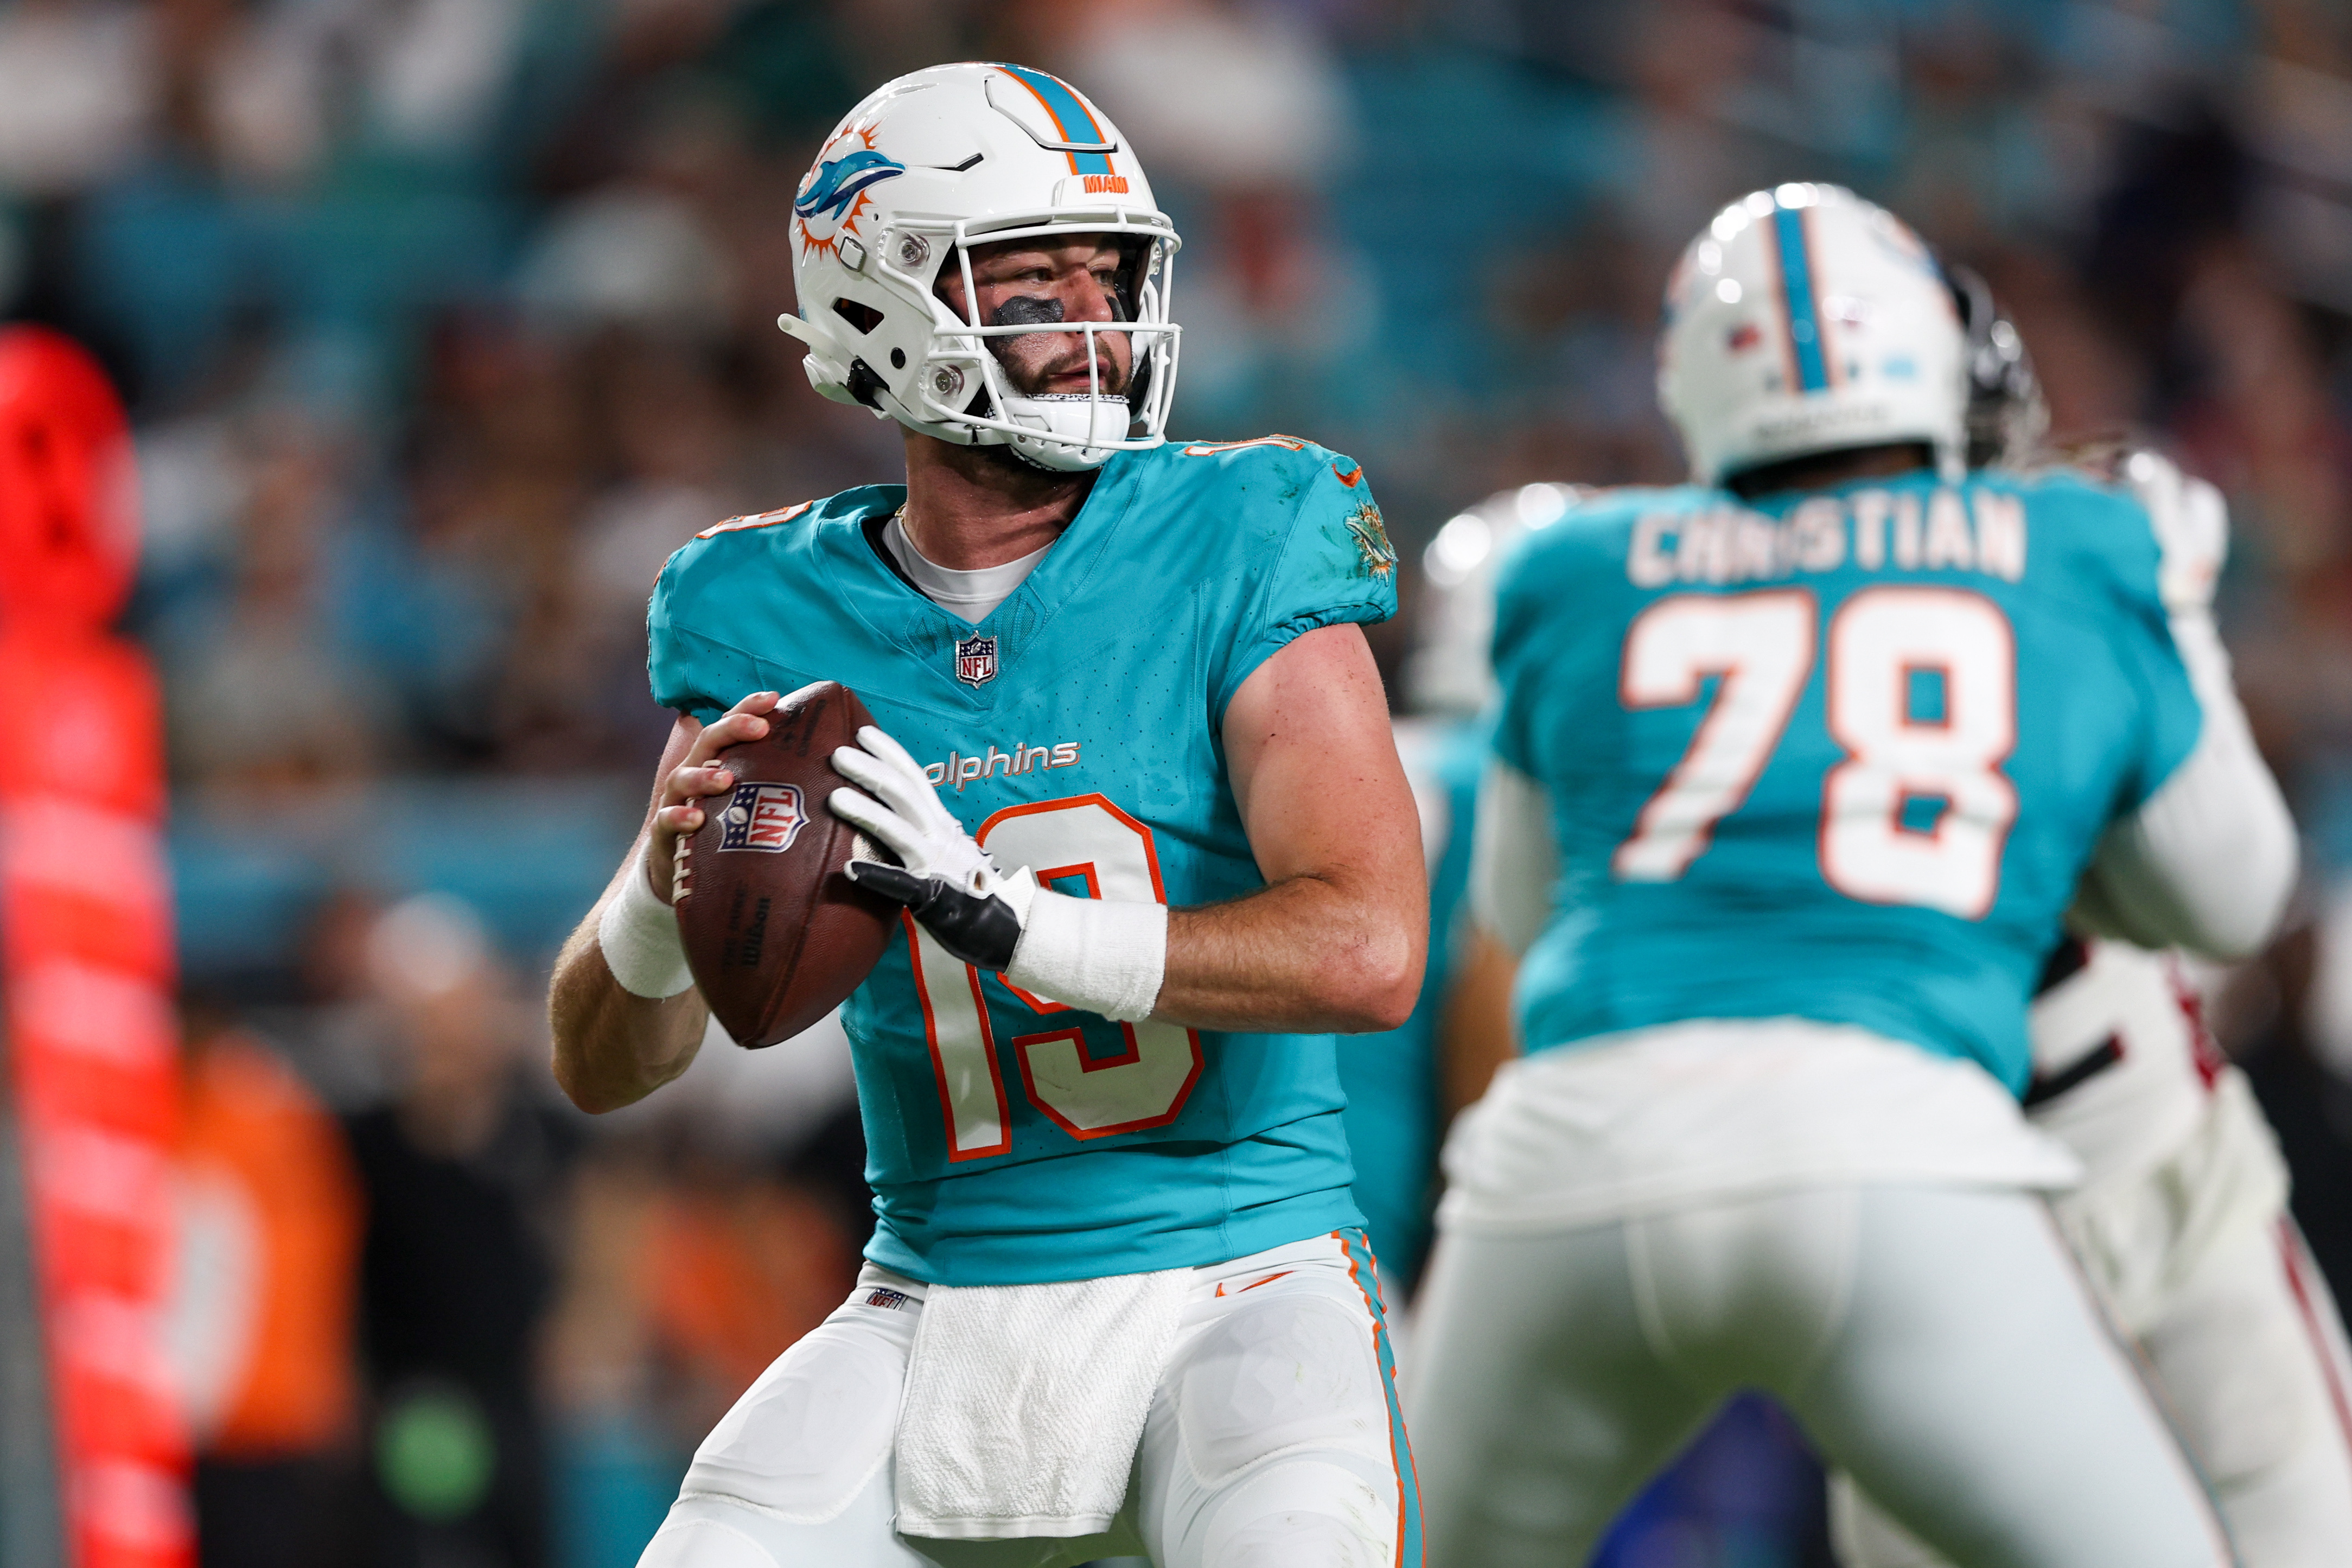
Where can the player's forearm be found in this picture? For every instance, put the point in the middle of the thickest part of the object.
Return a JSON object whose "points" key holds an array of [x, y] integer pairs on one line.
{"points": [[1310, 954], [612, 1048]]}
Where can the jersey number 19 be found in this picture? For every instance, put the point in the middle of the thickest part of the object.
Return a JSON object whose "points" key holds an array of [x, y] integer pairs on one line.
{"points": [[1761, 647], [1082, 838]]}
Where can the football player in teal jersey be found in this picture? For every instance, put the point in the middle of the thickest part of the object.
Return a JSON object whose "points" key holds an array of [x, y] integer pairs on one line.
{"points": [[1133, 761], [1798, 769]]}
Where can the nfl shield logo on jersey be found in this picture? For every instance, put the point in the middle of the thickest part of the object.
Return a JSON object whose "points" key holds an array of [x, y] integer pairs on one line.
{"points": [[976, 660], [762, 817]]}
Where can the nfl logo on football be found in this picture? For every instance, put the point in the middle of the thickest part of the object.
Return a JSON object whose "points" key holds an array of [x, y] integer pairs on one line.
{"points": [[976, 660], [765, 816]]}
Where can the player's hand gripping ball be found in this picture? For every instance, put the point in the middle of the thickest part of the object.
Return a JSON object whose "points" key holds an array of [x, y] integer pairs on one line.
{"points": [[776, 935], [944, 877]]}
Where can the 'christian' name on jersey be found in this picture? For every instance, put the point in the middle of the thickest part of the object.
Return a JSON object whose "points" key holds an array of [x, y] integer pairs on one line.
{"points": [[1873, 530]]}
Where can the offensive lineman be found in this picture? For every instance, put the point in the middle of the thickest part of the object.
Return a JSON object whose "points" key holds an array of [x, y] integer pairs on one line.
{"points": [[1820, 756], [1117, 1298], [2180, 1223]]}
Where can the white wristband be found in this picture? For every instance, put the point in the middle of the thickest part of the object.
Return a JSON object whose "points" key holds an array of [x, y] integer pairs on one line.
{"points": [[1092, 954], [639, 935]]}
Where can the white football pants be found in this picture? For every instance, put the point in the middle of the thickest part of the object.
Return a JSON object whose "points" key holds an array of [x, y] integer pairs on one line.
{"points": [[1274, 1441], [2241, 1335], [1935, 1342]]}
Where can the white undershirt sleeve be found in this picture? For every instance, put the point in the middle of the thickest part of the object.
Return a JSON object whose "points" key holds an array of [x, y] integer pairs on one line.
{"points": [[1514, 857], [2208, 861]]}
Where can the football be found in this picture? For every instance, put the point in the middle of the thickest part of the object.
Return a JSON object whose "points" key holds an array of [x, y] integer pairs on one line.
{"points": [[775, 931]]}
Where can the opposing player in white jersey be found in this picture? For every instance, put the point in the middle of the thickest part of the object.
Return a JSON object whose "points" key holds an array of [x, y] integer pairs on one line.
{"points": [[2180, 1222], [1798, 769]]}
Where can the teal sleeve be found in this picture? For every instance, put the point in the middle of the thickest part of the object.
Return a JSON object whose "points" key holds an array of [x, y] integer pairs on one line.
{"points": [[692, 672], [1335, 564]]}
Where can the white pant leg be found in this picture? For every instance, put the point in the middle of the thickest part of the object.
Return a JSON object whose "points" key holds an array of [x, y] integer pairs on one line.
{"points": [[2201, 1265], [797, 1474], [2250, 1353], [1537, 1402], [1862, 1536], [1275, 1440], [1976, 1391], [1935, 1340]]}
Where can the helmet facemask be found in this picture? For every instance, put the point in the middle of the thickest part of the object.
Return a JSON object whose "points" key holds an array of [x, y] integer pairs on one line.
{"points": [[1065, 431], [2008, 415]]}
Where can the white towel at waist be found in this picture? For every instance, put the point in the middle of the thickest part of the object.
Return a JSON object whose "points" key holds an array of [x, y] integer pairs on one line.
{"points": [[1024, 1403]]}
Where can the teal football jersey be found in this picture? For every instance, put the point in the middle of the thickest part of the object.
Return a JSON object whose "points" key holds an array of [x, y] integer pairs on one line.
{"points": [[1077, 731], [1391, 1079], [1839, 755]]}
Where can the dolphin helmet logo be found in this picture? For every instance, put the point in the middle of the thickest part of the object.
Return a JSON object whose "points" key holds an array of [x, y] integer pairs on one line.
{"points": [[833, 184]]}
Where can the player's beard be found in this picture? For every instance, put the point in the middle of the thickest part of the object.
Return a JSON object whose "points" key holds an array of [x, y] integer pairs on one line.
{"points": [[1031, 360], [1068, 358]]}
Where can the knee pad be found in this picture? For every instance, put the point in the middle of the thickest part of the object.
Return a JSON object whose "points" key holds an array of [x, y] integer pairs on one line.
{"points": [[1297, 1370], [1303, 1513]]}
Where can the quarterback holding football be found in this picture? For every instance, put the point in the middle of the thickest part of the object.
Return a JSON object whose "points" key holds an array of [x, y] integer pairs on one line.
{"points": [[1129, 781]]}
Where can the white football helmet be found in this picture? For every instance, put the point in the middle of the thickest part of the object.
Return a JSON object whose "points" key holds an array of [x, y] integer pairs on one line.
{"points": [[929, 165], [1804, 320], [1451, 668]]}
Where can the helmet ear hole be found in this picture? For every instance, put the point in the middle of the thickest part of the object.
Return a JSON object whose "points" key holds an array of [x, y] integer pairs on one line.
{"points": [[864, 318]]}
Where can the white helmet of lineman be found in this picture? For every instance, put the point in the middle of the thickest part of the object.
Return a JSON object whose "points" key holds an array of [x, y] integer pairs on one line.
{"points": [[925, 168], [1450, 669], [1805, 320]]}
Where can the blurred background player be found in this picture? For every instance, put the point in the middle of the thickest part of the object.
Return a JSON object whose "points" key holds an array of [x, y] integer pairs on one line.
{"points": [[462, 1170], [1406, 1085], [1789, 796], [1136, 1220], [2180, 1222]]}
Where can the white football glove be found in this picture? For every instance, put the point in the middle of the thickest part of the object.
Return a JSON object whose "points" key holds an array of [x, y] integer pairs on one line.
{"points": [[1103, 956], [942, 877], [2192, 523]]}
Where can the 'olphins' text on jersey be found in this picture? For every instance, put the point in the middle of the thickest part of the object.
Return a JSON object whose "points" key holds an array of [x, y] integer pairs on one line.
{"points": [[1839, 755], [1011, 1139]]}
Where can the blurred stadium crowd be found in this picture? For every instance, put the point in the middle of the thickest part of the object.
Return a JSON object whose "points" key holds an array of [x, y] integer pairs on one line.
{"points": [[444, 321]]}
